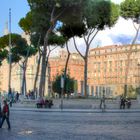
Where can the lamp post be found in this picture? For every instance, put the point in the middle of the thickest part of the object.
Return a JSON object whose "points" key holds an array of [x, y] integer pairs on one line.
{"points": [[62, 90], [9, 82], [138, 80]]}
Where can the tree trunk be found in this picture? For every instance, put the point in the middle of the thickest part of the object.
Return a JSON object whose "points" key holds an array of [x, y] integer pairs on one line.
{"points": [[37, 72], [66, 66], [44, 53], [128, 61], [23, 80], [25, 83], [23, 88], [43, 72], [44, 80], [85, 76]]}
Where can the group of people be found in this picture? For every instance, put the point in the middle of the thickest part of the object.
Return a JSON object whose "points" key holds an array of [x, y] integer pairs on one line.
{"points": [[44, 103], [4, 114], [30, 94], [124, 102]]}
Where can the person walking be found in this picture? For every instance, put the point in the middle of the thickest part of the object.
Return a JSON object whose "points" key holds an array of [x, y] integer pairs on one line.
{"points": [[17, 97], [5, 115], [0, 113], [102, 102], [0, 108], [123, 102]]}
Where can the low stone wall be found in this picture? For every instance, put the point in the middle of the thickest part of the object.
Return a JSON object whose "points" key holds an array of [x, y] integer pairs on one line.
{"points": [[82, 103], [94, 104]]}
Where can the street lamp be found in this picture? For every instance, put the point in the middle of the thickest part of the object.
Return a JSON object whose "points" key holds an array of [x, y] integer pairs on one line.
{"points": [[62, 90], [10, 65]]}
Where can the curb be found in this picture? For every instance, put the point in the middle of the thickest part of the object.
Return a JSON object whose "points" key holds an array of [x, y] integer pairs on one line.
{"points": [[76, 110]]}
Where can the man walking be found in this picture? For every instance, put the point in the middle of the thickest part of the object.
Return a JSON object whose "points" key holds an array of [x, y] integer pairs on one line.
{"points": [[5, 115], [0, 112]]}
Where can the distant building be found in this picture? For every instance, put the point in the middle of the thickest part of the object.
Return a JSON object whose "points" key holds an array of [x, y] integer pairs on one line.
{"points": [[107, 67], [17, 73], [75, 67]]}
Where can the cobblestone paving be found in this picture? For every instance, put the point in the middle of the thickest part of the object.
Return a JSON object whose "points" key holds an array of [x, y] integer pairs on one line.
{"points": [[72, 126]]}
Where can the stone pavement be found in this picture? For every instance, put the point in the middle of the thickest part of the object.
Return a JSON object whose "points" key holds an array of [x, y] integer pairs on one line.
{"points": [[31, 125]]}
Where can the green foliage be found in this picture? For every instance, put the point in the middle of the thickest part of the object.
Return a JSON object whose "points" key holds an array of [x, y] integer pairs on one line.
{"points": [[69, 31], [26, 23], [100, 14], [77, 16], [130, 9], [131, 92], [138, 90], [16, 40], [69, 86], [106, 16], [64, 10], [35, 38], [3, 55], [19, 47], [56, 40]]}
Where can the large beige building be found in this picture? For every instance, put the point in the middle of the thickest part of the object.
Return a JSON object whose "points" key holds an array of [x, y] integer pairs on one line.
{"points": [[17, 71], [107, 68], [16, 74]]}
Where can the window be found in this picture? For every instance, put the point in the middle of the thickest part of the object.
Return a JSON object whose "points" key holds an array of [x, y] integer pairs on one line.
{"points": [[98, 66]]}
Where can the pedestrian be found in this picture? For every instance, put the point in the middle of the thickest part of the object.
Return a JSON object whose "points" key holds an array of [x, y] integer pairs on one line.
{"points": [[102, 103], [128, 101], [5, 114], [122, 104], [0, 107], [0, 113], [17, 97]]}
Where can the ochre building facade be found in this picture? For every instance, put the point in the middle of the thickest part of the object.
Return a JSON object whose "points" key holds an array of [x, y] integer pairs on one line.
{"points": [[109, 69], [75, 67]]}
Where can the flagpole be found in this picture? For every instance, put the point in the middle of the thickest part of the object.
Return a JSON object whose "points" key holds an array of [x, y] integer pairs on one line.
{"points": [[9, 82]]}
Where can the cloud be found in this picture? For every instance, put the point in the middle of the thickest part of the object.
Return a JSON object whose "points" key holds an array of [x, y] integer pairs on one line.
{"points": [[122, 33], [121, 39]]}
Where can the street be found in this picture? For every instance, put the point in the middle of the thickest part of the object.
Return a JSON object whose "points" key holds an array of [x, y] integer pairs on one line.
{"points": [[31, 125]]}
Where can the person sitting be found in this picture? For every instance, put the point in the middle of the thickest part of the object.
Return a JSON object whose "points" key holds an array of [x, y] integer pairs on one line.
{"points": [[46, 103], [50, 103], [40, 103], [128, 103]]}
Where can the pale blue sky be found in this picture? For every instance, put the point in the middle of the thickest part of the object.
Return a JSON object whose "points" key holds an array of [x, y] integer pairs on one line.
{"points": [[19, 8]]}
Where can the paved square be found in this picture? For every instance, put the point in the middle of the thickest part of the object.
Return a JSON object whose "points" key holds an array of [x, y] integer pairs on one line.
{"points": [[31, 125]]}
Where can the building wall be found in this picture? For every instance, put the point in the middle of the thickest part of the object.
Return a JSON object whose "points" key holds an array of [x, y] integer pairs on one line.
{"points": [[107, 68], [16, 76], [75, 67]]}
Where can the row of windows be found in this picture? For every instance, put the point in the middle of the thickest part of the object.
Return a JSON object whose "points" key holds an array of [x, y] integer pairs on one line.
{"points": [[115, 50]]}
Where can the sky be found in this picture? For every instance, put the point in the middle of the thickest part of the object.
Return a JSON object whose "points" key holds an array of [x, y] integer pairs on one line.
{"points": [[19, 8], [121, 33]]}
